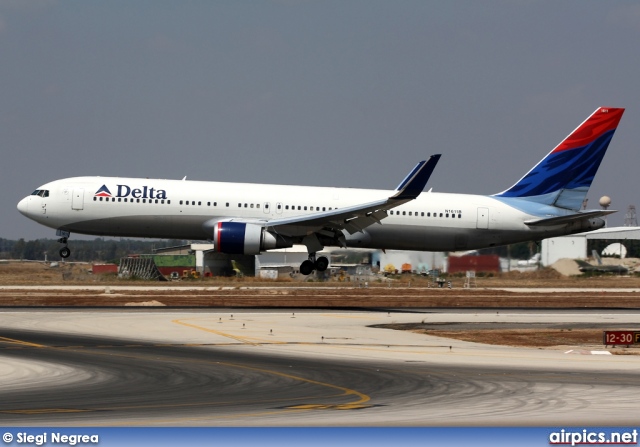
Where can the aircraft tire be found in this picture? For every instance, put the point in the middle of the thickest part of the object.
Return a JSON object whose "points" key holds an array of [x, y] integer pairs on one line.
{"points": [[65, 252], [307, 267], [322, 263]]}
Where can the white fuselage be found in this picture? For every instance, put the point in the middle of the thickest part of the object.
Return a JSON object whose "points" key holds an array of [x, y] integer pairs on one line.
{"points": [[176, 209]]}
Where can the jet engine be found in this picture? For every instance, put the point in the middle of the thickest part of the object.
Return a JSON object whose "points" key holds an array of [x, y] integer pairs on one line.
{"points": [[246, 238]]}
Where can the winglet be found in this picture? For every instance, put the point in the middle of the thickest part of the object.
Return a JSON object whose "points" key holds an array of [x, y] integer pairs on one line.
{"points": [[414, 183]]}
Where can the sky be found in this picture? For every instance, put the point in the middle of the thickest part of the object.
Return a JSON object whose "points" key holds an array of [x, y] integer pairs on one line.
{"points": [[346, 93]]}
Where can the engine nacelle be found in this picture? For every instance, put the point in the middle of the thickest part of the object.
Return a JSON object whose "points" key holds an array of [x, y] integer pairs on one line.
{"points": [[246, 239]]}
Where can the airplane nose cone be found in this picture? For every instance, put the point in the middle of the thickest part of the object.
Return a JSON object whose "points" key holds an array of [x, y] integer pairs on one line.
{"points": [[23, 206]]}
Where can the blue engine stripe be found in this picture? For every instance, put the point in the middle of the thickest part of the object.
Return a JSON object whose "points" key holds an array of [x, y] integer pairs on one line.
{"points": [[231, 237]]}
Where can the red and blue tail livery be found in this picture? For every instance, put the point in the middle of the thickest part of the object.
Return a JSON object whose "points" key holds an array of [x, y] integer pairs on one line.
{"points": [[564, 176]]}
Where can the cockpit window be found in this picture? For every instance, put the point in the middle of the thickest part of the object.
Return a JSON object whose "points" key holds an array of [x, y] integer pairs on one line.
{"points": [[41, 193]]}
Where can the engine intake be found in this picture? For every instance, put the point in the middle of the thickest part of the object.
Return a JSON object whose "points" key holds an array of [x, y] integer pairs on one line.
{"points": [[248, 239]]}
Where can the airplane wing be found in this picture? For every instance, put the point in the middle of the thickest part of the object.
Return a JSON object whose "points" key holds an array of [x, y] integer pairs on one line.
{"points": [[353, 218], [561, 220], [356, 218]]}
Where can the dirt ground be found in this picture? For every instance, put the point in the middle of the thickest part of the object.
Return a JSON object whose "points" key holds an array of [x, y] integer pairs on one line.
{"points": [[39, 273], [404, 292]]}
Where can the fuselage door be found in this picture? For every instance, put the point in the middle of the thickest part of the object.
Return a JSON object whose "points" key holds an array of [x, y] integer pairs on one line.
{"points": [[483, 219], [77, 199], [266, 207]]}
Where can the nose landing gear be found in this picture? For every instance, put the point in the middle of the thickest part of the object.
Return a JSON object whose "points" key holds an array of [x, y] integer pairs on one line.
{"points": [[65, 252], [308, 266]]}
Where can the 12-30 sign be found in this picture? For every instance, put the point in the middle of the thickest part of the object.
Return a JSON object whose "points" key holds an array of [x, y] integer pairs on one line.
{"points": [[620, 337]]}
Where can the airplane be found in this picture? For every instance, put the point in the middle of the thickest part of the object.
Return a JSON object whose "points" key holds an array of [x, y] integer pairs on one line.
{"points": [[244, 218], [532, 261], [600, 268]]}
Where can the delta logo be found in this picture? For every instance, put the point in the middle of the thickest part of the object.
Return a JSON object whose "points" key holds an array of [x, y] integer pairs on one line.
{"points": [[137, 193], [103, 192]]}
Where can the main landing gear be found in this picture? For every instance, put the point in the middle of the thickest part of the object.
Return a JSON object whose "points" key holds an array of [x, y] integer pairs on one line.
{"points": [[64, 251], [308, 266]]}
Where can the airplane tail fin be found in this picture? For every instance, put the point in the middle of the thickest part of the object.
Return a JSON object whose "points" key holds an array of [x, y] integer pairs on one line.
{"points": [[596, 256], [563, 177]]}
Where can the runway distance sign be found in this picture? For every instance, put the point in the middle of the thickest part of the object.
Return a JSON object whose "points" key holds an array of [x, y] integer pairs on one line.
{"points": [[621, 337]]}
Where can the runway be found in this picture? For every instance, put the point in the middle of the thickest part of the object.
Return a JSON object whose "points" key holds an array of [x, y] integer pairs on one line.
{"points": [[274, 368]]}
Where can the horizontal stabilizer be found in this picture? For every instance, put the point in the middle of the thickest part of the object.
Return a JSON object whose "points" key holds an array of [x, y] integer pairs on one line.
{"points": [[561, 220]]}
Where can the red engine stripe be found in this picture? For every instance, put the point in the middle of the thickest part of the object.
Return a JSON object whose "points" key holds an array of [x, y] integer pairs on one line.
{"points": [[217, 240]]}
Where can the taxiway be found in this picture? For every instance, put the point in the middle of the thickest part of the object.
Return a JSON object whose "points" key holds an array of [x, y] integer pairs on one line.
{"points": [[300, 368]]}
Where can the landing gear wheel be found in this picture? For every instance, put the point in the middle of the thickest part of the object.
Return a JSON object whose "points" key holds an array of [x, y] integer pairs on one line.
{"points": [[65, 252], [322, 263], [306, 267]]}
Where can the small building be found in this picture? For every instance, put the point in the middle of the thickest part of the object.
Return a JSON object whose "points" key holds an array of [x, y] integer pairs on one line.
{"points": [[286, 261], [576, 245], [420, 261], [201, 258], [104, 269], [475, 263], [175, 266]]}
